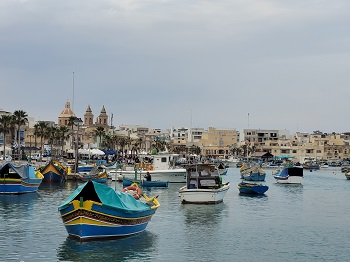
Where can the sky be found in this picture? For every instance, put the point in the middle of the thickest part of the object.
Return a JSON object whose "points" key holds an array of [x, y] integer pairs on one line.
{"points": [[184, 63]]}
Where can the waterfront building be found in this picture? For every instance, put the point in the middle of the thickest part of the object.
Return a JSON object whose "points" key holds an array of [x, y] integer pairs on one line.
{"points": [[218, 142]]}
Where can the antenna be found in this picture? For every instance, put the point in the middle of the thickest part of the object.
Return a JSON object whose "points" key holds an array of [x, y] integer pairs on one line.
{"points": [[73, 94], [248, 120]]}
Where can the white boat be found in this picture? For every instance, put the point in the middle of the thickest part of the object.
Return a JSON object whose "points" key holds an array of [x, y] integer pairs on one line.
{"points": [[289, 175], [231, 161], [163, 168], [203, 185]]}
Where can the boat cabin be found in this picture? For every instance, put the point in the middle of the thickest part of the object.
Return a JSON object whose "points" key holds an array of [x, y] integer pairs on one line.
{"points": [[202, 176]]}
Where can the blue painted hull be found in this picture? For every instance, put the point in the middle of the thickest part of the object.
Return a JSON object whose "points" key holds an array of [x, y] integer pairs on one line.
{"points": [[252, 189], [26, 186], [85, 232], [52, 177]]}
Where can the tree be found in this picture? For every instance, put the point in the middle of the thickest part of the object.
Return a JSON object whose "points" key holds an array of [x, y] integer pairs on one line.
{"points": [[138, 144], [63, 135], [5, 122], [99, 132], [52, 134], [41, 128], [122, 142], [21, 118]]}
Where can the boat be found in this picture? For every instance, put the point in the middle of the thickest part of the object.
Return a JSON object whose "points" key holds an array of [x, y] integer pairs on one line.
{"points": [[345, 169], [19, 179], [203, 185], [162, 168], [54, 171], [252, 172], [347, 175], [231, 161], [252, 188], [145, 183], [313, 165], [289, 175], [97, 174], [96, 211], [222, 169]]}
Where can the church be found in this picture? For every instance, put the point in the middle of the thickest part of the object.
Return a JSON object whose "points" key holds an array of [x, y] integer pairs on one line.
{"points": [[88, 121]]}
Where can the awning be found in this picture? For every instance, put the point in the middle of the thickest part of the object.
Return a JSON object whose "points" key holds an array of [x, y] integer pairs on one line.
{"points": [[33, 148], [109, 151]]}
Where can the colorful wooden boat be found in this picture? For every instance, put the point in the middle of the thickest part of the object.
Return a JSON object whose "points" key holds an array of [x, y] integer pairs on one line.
{"points": [[54, 172], [19, 179], [252, 188], [97, 174], [95, 210], [145, 183], [252, 172]]}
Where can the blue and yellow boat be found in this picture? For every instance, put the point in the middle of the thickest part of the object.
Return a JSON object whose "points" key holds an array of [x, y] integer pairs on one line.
{"points": [[19, 179], [96, 211], [54, 172]]}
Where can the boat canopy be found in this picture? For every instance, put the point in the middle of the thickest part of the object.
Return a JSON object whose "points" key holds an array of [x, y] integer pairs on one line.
{"points": [[21, 171], [109, 198], [292, 171]]}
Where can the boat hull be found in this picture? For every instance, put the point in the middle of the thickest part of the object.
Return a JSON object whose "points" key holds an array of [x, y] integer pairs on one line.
{"points": [[52, 177], [203, 196], [87, 223], [289, 180], [18, 186], [252, 189]]}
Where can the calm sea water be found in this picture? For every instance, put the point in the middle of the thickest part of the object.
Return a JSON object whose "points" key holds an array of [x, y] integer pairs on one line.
{"points": [[308, 222]]}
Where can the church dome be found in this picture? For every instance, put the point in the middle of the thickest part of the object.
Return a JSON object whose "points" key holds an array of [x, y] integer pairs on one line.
{"points": [[67, 111]]}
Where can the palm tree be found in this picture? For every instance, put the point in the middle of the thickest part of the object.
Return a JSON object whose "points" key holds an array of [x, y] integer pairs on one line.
{"points": [[71, 125], [21, 119], [63, 135], [41, 127], [100, 132], [122, 142], [5, 121], [52, 134], [138, 144], [159, 144]]}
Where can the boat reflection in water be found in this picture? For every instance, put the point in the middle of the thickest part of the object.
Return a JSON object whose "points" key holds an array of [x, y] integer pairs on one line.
{"points": [[203, 215], [141, 246]]}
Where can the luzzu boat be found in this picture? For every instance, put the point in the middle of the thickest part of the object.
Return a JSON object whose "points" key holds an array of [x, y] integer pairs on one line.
{"points": [[54, 172], [95, 211], [252, 172], [97, 174], [19, 179]]}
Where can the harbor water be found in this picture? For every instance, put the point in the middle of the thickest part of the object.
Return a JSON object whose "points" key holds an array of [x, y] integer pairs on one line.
{"points": [[308, 222]]}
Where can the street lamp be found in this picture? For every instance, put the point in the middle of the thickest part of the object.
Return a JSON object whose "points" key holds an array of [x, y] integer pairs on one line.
{"points": [[77, 122]]}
